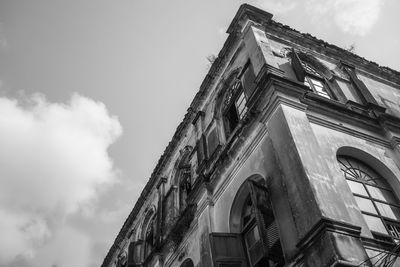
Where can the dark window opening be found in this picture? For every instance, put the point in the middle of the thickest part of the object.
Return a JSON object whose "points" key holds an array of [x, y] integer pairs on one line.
{"points": [[231, 119], [235, 107], [185, 186], [149, 239]]}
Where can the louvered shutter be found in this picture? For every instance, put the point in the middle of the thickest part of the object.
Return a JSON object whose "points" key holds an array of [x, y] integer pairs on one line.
{"points": [[298, 67], [212, 142], [227, 250], [265, 221], [131, 255], [248, 81], [159, 221], [169, 212], [200, 148]]}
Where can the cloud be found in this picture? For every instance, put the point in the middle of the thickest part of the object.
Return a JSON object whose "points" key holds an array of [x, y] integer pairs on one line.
{"points": [[276, 6], [351, 16], [53, 160]]}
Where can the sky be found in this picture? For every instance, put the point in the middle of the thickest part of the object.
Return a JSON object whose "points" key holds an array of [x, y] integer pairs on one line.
{"points": [[91, 93]]}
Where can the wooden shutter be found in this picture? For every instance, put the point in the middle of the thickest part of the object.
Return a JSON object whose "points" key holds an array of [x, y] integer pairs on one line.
{"points": [[159, 220], [169, 211], [298, 67], [131, 255], [265, 219], [360, 86], [212, 142], [200, 148], [248, 81], [227, 250]]}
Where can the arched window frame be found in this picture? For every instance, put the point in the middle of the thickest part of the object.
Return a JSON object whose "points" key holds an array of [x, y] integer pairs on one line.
{"points": [[183, 179], [315, 75], [252, 216], [149, 237], [234, 107], [237, 90], [148, 233], [374, 196]]}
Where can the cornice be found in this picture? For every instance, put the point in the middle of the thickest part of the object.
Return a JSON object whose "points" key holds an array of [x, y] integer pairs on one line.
{"points": [[311, 42], [248, 12]]}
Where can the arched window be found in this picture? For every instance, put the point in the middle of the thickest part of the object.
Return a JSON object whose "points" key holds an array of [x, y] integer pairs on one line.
{"points": [[234, 107], [185, 186], [258, 222], [183, 179], [375, 198], [253, 226], [312, 73], [240, 88], [149, 237]]}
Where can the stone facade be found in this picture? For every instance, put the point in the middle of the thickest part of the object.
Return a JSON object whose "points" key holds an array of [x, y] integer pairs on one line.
{"points": [[289, 155]]}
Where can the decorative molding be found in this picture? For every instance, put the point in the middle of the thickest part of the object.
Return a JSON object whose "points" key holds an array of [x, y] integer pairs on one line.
{"points": [[327, 225], [162, 180]]}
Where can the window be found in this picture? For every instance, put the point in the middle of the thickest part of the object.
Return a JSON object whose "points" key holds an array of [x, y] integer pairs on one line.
{"points": [[149, 238], [315, 81], [257, 220], [234, 107], [121, 262], [375, 198], [241, 89], [185, 186], [310, 71], [253, 240]]}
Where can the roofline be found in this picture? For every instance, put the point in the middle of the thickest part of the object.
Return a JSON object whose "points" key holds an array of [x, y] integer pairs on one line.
{"points": [[245, 12]]}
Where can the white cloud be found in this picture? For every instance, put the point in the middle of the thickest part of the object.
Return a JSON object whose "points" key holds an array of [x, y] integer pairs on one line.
{"points": [[351, 16], [53, 157], [276, 6]]}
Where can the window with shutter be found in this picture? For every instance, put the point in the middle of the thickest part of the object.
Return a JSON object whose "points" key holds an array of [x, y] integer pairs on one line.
{"points": [[149, 238], [248, 80], [307, 72], [170, 211], [212, 142], [200, 150], [185, 186], [260, 230], [252, 219], [131, 255], [235, 102]]}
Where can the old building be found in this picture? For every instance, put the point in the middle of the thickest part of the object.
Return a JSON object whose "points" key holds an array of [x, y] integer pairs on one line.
{"points": [[289, 155]]}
